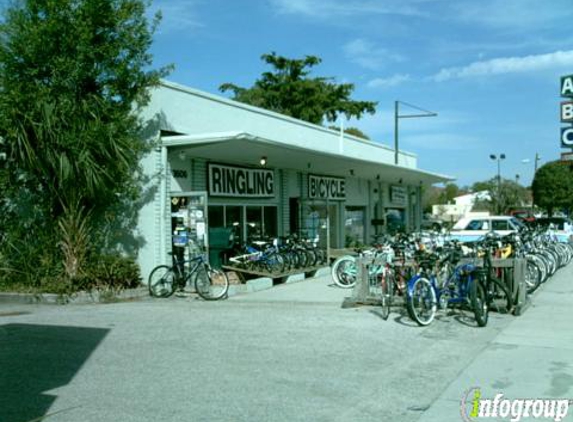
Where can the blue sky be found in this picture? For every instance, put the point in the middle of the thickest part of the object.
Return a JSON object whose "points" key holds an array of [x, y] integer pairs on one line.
{"points": [[489, 68]]}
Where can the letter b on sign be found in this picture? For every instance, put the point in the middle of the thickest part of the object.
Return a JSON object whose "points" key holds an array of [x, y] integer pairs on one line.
{"points": [[567, 112]]}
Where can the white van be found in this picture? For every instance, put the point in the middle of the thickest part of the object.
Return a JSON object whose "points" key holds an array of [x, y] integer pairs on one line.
{"points": [[470, 229]]}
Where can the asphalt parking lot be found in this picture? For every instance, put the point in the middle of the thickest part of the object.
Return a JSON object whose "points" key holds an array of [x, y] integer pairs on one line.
{"points": [[286, 354]]}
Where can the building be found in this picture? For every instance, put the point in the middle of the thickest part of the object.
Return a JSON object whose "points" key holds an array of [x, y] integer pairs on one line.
{"points": [[219, 163], [462, 207]]}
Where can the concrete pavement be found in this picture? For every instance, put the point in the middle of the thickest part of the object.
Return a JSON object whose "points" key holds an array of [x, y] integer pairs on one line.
{"points": [[285, 354], [530, 358]]}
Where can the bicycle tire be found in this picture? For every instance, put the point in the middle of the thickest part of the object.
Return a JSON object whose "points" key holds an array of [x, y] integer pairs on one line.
{"points": [[211, 283], [387, 291], [344, 271], [274, 263], [478, 299], [422, 303], [499, 298], [161, 281], [532, 275]]}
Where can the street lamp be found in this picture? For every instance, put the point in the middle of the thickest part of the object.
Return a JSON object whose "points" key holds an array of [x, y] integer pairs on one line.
{"points": [[525, 161], [498, 158], [397, 116]]}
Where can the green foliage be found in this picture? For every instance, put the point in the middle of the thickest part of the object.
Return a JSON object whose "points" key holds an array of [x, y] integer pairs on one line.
{"points": [[289, 90], [504, 196], [73, 75], [553, 186], [352, 131]]}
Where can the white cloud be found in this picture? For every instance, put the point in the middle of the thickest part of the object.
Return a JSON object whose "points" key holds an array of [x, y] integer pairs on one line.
{"points": [[368, 55], [327, 9], [506, 65], [178, 15], [392, 81], [513, 13]]}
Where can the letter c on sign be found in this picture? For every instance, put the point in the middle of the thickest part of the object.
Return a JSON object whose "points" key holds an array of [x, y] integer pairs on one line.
{"points": [[567, 137]]}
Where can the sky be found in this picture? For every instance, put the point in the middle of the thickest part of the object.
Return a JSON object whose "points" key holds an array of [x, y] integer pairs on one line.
{"points": [[490, 69]]}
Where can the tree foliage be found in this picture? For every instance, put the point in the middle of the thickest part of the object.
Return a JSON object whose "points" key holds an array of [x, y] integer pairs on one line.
{"points": [[354, 131], [504, 196], [553, 186], [289, 89], [73, 74]]}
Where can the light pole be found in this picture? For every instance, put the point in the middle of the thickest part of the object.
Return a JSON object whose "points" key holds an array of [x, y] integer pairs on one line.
{"points": [[525, 161], [498, 158], [397, 116]]}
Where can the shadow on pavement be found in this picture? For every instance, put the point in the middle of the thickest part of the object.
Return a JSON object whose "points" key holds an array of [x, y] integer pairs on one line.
{"points": [[37, 358]]}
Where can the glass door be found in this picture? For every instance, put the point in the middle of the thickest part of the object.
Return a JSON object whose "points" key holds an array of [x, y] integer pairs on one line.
{"points": [[189, 223]]}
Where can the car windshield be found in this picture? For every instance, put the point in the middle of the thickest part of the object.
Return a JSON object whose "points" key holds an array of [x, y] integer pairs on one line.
{"points": [[518, 224]]}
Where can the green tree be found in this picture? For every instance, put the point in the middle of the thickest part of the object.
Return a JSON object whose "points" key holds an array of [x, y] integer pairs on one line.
{"points": [[553, 186], [73, 74], [504, 196], [288, 89], [354, 131]]}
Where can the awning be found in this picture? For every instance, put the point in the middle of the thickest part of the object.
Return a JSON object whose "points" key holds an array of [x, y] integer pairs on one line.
{"points": [[242, 148]]}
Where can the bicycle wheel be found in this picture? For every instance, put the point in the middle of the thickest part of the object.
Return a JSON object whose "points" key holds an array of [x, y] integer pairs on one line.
{"points": [[532, 275], [422, 302], [499, 298], [274, 263], [344, 272], [387, 290], [478, 299], [211, 284], [161, 281]]}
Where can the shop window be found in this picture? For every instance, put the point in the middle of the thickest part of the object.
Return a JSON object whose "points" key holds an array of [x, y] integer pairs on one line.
{"points": [[395, 220], [270, 220], [354, 226], [254, 220], [216, 216], [234, 219]]}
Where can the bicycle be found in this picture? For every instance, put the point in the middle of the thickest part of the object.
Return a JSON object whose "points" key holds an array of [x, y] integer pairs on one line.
{"points": [[431, 290], [210, 283]]}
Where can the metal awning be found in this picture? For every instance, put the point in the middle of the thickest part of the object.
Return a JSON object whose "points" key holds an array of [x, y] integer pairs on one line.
{"points": [[242, 148]]}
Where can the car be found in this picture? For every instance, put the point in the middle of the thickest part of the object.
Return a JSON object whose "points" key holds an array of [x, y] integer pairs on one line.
{"points": [[560, 227], [469, 229], [430, 223], [526, 216]]}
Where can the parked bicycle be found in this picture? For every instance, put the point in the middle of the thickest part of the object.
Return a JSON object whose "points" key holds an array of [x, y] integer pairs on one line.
{"points": [[442, 282], [209, 283]]}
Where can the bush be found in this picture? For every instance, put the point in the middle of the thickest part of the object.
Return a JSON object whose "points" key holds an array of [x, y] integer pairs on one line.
{"points": [[109, 272]]}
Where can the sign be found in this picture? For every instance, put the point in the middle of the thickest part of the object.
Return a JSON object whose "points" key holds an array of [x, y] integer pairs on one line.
{"points": [[325, 187], [179, 174], [567, 156], [567, 137], [567, 112], [567, 86], [240, 182], [398, 195]]}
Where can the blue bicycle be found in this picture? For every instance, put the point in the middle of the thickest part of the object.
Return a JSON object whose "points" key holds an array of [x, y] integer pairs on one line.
{"points": [[441, 283]]}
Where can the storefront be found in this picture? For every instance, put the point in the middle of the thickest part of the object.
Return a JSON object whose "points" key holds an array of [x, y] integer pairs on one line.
{"points": [[220, 165]]}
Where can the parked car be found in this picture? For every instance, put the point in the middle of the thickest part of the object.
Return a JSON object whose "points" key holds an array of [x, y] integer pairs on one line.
{"points": [[526, 216], [430, 223], [470, 229], [561, 227]]}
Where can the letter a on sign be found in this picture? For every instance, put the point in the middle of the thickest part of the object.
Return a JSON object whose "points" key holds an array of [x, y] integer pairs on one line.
{"points": [[567, 86]]}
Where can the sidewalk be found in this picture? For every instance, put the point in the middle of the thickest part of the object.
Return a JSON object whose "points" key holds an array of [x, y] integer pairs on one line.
{"points": [[530, 358]]}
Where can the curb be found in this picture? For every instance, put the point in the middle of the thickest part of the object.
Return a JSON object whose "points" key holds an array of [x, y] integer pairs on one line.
{"points": [[77, 298]]}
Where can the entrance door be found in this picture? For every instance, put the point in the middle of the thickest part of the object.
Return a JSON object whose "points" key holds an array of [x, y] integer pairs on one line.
{"points": [[320, 224], [189, 223]]}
